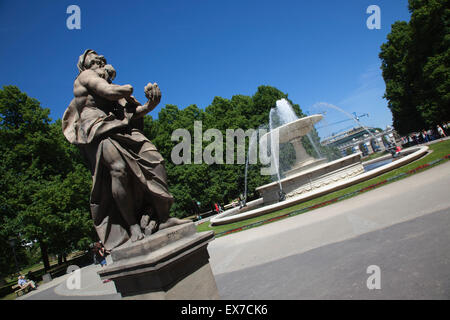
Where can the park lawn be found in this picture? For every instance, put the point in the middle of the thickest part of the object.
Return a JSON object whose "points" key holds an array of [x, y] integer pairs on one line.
{"points": [[39, 266], [439, 150], [375, 155], [31, 268]]}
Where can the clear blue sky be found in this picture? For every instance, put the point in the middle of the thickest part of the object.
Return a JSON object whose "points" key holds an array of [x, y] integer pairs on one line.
{"points": [[316, 51]]}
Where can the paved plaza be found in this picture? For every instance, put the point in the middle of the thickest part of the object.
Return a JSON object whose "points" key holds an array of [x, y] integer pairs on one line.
{"points": [[403, 228]]}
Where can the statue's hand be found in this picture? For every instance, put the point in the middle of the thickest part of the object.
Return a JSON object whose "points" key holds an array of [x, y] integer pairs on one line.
{"points": [[153, 93], [132, 100]]}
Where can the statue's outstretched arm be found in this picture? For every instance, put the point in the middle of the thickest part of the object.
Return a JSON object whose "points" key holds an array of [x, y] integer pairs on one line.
{"points": [[104, 89]]}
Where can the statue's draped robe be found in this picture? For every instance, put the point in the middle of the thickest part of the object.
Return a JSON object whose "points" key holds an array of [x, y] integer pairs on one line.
{"points": [[88, 128]]}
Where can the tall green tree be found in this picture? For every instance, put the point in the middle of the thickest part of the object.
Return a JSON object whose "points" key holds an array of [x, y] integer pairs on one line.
{"points": [[416, 67], [44, 188]]}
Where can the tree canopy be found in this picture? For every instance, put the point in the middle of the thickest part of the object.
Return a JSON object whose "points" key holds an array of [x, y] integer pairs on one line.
{"points": [[416, 67], [44, 189]]}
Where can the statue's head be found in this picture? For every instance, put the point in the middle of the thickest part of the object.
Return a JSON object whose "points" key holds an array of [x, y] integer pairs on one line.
{"points": [[111, 72], [107, 72], [90, 60]]}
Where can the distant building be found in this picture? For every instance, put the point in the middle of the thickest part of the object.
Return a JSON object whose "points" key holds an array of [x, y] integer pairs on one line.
{"points": [[359, 140]]}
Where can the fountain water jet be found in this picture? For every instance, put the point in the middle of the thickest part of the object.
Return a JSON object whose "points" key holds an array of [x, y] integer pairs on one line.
{"points": [[250, 153], [332, 106], [273, 152]]}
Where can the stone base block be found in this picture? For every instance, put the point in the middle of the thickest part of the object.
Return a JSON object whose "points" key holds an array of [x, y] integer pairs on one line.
{"points": [[170, 264]]}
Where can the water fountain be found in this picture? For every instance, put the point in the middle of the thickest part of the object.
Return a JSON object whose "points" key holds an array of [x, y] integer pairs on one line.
{"points": [[307, 173], [309, 177]]}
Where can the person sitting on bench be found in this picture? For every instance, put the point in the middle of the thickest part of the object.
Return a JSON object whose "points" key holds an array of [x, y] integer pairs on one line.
{"points": [[24, 283]]}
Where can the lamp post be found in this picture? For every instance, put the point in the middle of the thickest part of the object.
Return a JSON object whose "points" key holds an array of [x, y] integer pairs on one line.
{"points": [[12, 243]]}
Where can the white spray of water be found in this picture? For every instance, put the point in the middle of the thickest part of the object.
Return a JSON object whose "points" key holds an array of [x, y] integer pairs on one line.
{"points": [[285, 111], [287, 114], [272, 148], [251, 149], [332, 106]]}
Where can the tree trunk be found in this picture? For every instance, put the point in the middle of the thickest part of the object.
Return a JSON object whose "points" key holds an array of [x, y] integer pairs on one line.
{"points": [[44, 254]]}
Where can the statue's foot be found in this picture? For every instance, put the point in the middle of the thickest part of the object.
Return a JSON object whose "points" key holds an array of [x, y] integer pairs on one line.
{"points": [[136, 233], [145, 220], [151, 227], [172, 222]]}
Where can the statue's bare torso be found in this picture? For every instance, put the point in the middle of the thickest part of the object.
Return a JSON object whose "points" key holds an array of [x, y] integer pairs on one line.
{"points": [[91, 90]]}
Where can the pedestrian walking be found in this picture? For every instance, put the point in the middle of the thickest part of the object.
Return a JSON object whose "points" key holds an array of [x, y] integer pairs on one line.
{"points": [[441, 131], [100, 253]]}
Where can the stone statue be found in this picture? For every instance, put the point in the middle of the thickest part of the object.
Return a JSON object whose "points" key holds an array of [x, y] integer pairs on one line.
{"points": [[129, 196]]}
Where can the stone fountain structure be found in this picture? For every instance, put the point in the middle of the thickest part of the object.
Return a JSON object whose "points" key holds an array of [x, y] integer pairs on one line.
{"points": [[308, 173], [293, 132]]}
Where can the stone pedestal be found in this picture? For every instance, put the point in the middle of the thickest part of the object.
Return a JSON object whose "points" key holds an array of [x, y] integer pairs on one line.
{"points": [[171, 264], [47, 277], [301, 155]]}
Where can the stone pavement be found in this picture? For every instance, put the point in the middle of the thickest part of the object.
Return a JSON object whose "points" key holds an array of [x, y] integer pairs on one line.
{"points": [[402, 227], [403, 200], [255, 263], [413, 258]]}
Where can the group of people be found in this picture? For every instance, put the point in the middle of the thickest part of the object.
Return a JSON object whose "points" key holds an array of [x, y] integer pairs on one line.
{"points": [[425, 136], [216, 208], [394, 149]]}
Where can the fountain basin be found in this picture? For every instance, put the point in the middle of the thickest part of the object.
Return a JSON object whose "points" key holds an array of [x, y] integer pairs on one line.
{"points": [[293, 130], [251, 205], [313, 178], [304, 165], [407, 155]]}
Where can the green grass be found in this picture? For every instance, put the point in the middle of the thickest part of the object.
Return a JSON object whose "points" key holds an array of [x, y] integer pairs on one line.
{"points": [[36, 267], [439, 149], [25, 270], [375, 155]]}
